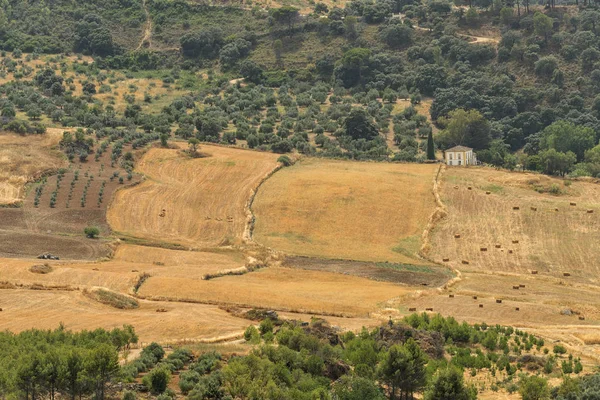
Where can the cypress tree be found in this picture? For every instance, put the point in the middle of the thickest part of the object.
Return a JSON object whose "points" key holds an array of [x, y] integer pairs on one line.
{"points": [[430, 148]]}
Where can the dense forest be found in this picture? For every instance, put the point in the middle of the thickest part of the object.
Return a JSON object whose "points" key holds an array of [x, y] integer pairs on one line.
{"points": [[425, 354], [326, 82]]}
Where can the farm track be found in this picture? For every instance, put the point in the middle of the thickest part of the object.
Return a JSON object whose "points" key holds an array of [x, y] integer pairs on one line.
{"points": [[147, 38]]}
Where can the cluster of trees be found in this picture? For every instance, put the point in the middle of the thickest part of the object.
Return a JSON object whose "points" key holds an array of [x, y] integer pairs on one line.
{"points": [[40, 364]]}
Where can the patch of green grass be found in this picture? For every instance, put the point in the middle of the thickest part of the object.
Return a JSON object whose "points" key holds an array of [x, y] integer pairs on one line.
{"points": [[408, 246], [291, 236], [112, 299], [493, 188]]}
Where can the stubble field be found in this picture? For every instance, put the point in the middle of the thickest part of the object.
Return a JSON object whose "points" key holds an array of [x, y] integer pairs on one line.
{"points": [[204, 199], [346, 210]]}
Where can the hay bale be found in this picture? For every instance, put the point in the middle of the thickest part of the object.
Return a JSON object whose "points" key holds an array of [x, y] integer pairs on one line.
{"points": [[134, 270], [481, 306], [499, 301], [534, 272], [451, 296], [581, 318], [510, 251], [41, 269], [465, 262], [474, 297], [515, 241], [412, 309], [516, 308], [566, 274], [573, 203], [556, 209], [455, 187], [590, 211], [469, 188], [457, 236], [95, 269], [429, 309], [488, 192], [516, 208], [483, 249], [498, 246], [521, 285], [161, 310], [517, 287], [533, 208], [445, 259]]}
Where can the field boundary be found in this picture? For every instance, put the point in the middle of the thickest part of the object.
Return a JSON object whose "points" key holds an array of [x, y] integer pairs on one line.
{"points": [[250, 217], [438, 214]]}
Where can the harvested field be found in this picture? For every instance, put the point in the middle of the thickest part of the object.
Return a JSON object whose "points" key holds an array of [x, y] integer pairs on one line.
{"points": [[346, 210], [282, 289], [26, 244], [546, 241], [412, 275], [17, 271], [26, 309], [25, 158], [203, 199]]}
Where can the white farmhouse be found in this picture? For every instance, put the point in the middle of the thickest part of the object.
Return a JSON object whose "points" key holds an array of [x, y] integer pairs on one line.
{"points": [[460, 155]]}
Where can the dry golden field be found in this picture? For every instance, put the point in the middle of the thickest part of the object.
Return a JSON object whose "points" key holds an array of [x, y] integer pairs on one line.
{"points": [[204, 199], [25, 158], [552, 236], [349, 210], [26, 309], [283, 289]]}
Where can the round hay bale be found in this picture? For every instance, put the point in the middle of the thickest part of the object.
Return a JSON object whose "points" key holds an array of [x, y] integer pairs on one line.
{"points": [[534, 272], [474, 297], [498, 246], [481, 306], [483, 249], [457, 236], [510, 251], [581, 318], [429, 309], [465, 262], [515, 241], [533, 208], [488, 192], [451, 296], [469, 188], [516, 308], [516, 287], [499, 301], [556, 209], [521, 285]]}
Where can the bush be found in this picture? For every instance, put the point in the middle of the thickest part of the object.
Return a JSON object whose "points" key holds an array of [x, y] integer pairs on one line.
{"points": [[127, 395], [285, 160], [157, 380], [91, 232]]}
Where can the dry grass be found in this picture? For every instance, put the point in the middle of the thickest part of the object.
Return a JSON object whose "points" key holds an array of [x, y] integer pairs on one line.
{"points": [[552, 242], [26, 309], [204, 198], [24, 158], [281, 289], [350, 210]]}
